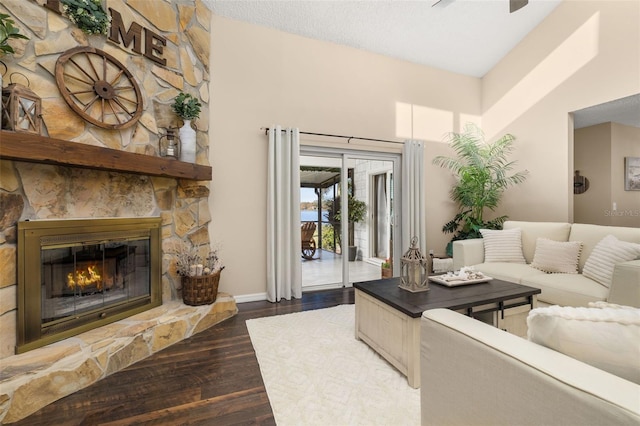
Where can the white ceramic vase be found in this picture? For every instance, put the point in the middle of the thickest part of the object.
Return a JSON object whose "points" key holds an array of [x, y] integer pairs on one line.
{"points": [[187, 142]]}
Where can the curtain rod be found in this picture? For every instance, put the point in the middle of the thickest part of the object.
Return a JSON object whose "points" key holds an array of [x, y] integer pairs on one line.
{"points": [[266, 131]]}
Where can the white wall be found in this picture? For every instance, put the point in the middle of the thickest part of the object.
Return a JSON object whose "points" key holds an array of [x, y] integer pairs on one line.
{"points": [[592, 157], [625, 142], [600, 151], [261, 77], [585, 53]]}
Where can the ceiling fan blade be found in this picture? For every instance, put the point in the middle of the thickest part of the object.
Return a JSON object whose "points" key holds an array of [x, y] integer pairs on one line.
{"points": [[516, 5], [441, 3]]}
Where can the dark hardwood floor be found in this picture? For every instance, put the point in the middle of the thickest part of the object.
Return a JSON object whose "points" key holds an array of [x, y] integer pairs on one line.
{"points": [[212, 378]]}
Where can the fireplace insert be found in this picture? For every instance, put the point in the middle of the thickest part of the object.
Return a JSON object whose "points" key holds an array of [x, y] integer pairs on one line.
{"points": [[75, 275]]}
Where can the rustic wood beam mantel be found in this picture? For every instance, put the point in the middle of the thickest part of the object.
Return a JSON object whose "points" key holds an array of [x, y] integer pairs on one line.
{"points": [[41, 149]]}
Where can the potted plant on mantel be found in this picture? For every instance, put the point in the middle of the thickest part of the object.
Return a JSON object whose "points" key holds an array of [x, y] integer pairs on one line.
{"points": [[481, 171], [187, 107]]}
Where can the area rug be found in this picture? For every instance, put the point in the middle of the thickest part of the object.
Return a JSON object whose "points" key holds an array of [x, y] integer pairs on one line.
{"points": [[317, 373]]}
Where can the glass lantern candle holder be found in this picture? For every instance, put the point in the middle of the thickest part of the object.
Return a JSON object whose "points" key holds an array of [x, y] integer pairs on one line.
{"points": [[414, 275], [170, 145], [21, 109]]}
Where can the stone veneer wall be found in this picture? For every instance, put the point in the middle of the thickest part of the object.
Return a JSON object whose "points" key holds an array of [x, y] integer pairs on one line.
{"points": [[38, 191]]}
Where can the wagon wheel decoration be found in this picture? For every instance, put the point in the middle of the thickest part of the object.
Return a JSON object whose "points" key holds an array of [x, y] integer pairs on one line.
{"points": [[98, 88]]}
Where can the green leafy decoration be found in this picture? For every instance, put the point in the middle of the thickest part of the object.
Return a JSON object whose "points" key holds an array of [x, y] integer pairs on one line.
{"points": [[8, 31], [357, 213], [482, 175], [88, 15], [186, 106]]}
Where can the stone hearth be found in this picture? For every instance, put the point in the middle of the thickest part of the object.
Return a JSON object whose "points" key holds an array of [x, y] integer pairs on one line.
{"points": [[39, 377]]}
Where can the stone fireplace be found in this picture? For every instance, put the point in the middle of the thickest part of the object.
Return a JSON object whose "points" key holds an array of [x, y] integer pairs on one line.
{"points": [[77, 171], [76, 275]]}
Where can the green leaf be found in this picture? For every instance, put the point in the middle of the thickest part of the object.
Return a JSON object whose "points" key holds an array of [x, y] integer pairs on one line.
{"points": [[186, 106], [482, 173], [8, 31], [82, 11]]}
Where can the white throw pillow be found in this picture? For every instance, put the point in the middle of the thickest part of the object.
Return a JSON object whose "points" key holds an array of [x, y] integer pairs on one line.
{"points": [[557, 256], [606, 338], [609, 251], [502, 245]]}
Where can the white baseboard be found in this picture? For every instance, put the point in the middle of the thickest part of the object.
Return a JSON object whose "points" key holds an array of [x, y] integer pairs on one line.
{"points": [[256, 297], [323, 287]]}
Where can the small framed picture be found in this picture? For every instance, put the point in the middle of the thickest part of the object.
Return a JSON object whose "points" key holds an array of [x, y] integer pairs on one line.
{"points": [[632, 173]]}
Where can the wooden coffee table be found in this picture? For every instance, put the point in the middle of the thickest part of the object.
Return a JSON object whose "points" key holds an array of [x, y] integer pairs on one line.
{"points": [[388, 317]]}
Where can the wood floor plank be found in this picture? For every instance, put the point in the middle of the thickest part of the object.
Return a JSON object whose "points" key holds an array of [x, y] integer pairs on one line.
{"points": [[212, 378]]}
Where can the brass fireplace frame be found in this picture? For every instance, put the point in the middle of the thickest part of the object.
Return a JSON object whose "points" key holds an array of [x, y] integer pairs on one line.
{"points": [[32, 235]]}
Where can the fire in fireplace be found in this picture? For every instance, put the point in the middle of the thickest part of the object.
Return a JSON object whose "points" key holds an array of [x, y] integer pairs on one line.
{"points": [[75, 275]]}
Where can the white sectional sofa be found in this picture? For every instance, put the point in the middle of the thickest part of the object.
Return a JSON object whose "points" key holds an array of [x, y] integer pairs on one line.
{"points": [[476, 374], [566, 289]]}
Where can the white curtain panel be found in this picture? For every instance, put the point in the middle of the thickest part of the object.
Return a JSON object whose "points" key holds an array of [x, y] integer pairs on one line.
{"points": [[413, 196], [383, 218], [284, 267]]}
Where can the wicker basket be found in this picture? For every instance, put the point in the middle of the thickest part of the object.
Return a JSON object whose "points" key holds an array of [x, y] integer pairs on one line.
{"points": [[201, 290]]}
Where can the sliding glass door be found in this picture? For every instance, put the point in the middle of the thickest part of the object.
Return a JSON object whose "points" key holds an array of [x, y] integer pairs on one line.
{"points": [[321, 244], [348, 212]]}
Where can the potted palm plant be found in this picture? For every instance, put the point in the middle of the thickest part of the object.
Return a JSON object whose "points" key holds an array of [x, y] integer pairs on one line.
{"points": [[357, 211], [482, 175]]}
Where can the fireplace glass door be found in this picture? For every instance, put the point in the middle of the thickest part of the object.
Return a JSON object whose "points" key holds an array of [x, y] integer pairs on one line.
{"points": [[78, 274], [82, 277]]}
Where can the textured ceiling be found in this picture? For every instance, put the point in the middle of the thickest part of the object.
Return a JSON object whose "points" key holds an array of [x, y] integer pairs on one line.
{"points": [[624, 111], [464, 36]]}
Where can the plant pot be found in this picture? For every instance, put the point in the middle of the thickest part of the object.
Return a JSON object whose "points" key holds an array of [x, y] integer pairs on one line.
{"points": [[449, 249], [200, 290], [386, 272], [187, 142], [353, 252]]}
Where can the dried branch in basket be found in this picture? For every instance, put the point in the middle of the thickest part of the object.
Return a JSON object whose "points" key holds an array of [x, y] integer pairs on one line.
{"points": [[189, 263]]}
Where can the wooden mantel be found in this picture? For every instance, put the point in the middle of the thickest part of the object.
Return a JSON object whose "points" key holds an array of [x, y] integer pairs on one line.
{"points": [[41, 149]]}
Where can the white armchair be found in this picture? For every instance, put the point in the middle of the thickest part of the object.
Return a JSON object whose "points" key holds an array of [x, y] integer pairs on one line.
{"points": [[475, 374]]}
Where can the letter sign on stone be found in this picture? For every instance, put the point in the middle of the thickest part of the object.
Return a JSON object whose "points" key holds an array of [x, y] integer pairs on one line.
{"points": [[133, 34], [153, 43]]}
